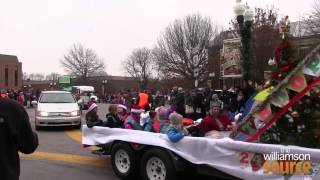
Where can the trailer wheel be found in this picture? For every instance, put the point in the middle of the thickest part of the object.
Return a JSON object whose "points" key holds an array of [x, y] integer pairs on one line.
{"points": [[156, 164], [124, 161]]}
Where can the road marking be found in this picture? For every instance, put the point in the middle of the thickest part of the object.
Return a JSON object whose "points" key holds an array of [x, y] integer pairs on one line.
{"points": [[77, 136], [69, 158]]}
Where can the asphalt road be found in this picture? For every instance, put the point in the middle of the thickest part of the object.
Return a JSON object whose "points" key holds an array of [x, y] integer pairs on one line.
{"points": [[61, 156]]}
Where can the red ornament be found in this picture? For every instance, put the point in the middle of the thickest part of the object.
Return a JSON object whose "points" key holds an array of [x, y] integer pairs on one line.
{"points": [[285, 68], [277, 76]]}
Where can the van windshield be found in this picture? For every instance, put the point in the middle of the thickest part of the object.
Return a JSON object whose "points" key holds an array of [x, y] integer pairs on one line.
{"points": [[57, 98]]}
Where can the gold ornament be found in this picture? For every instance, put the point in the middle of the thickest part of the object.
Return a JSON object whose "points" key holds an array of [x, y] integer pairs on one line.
{"points": [[267, 84], [284, 27], [295, 114]]}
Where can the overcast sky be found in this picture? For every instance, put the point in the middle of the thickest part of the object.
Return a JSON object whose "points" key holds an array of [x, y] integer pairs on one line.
{"points": [[40, 32]]}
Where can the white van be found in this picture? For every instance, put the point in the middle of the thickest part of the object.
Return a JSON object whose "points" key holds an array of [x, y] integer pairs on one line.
{"points": [[57, 108]]}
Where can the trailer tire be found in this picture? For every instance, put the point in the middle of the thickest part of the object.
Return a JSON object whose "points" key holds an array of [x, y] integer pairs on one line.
{"points": [[156, 164], [124, 161]]}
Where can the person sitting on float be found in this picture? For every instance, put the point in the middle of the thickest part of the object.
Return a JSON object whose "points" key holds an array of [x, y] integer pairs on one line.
{"points": [[113, 120], [133, 120], [146, 121], [161, 120], [92, 118], [215, 120], [176, 129], [122, 112]]}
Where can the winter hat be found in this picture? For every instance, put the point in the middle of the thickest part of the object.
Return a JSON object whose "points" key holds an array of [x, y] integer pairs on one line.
{"points": [[161, 113], [122, 106], [215, 96], [94, 98], [215, 104], [92, 107], [176, 120], [136, 109]]}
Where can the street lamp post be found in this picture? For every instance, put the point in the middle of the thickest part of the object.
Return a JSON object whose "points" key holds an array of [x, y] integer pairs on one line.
{"points": [[244, 18], [104, 82], [211, 76]]}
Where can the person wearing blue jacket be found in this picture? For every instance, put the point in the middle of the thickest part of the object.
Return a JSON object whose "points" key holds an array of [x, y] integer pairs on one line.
{"points": [[176, 131]]}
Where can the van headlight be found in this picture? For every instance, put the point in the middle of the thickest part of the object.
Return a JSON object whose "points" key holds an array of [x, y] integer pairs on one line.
{"points": [[75, 113], [43, 113]]}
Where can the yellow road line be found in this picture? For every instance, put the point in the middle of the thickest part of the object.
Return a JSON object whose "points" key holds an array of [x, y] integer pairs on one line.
{"points": [[77, 136], [69, 158]]}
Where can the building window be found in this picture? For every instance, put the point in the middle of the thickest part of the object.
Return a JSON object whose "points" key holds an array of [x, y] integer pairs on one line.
{"points": [[6, 76], [16, 78]]}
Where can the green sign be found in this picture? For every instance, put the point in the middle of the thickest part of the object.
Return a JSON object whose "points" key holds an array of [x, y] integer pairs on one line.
{"points": [[64, 80]]}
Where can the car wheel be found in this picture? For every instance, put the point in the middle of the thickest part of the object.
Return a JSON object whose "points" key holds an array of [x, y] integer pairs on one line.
{"points": [[156, 164], [124, 161], [38, 128], [78, 126]]}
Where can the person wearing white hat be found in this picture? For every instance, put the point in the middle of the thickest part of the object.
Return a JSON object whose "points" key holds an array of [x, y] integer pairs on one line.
{"points": [[92, 118], [122, 112]]}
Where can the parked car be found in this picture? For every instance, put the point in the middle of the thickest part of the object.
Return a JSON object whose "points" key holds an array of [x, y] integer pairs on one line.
{"points": [[57, 108]]}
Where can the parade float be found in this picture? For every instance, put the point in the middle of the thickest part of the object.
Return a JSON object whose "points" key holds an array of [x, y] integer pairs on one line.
{"points": [[279, 138]]}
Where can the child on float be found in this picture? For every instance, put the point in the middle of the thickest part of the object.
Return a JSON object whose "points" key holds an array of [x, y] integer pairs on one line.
{"points": [[113, 120], [122, 112], [133, 119], [176, 129], [161, 121]]}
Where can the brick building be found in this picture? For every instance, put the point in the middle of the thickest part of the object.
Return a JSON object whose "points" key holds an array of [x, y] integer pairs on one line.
{"points": [[37, 85], [108, 84], [10, 72], [226, 66]]}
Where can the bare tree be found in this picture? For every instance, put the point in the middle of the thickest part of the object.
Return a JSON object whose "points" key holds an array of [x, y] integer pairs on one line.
{"points": [[312, 21], [25, 76], [140, 65], [52, 76], [34, 76], [181, 50], [39, 77], [82, 62]]}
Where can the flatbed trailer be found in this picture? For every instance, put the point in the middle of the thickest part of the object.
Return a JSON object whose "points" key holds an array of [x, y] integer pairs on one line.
{"points": [[145, 155]]}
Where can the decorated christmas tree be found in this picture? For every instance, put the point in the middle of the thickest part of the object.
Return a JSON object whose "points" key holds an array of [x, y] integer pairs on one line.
{"points": [[300, 125], [287, 110]]}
